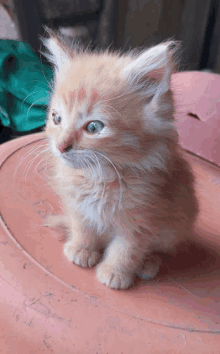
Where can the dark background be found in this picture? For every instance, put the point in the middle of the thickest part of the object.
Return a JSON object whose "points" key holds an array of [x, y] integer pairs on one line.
{"points": [[124, 24], [130, 23]]}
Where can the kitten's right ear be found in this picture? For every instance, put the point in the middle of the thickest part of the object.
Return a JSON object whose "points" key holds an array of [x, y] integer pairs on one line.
{"points": [[58, 52], [150, 71]]}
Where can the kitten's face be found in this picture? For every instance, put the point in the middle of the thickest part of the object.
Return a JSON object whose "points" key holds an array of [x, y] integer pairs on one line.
{"points": [[102, 110], [94, 113]]}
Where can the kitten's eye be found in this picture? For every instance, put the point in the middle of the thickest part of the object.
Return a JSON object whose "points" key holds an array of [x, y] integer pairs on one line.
{"points": [[56, 118], [94, 127]]}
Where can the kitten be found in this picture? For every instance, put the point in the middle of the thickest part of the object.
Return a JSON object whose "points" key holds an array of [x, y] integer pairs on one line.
{"points": [[125, 186]]}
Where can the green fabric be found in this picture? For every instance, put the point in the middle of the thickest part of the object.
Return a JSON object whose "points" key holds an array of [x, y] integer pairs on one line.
{"points": [[24, 86]]}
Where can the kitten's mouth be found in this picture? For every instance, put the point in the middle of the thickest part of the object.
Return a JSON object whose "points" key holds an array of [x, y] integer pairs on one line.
{"points": [[71, 159], [78, 159]]}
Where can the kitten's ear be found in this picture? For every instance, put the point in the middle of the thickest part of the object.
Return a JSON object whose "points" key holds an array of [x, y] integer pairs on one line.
{"points": [[58, 51], [150, 72]]}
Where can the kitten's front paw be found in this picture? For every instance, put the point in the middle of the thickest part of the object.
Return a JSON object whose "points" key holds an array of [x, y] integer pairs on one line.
{"points": [[113, 278], [81, 256]]}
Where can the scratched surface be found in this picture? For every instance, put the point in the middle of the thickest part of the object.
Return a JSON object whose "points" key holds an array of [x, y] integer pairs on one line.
{"points": [[52, 305]]}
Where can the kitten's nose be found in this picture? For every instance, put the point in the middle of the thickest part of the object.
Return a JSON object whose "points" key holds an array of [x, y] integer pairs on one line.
{"points": [[64, 147], [67, 144]]}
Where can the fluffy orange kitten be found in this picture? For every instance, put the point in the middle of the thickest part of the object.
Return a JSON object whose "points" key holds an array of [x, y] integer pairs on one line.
{"points": [[124, 185]]}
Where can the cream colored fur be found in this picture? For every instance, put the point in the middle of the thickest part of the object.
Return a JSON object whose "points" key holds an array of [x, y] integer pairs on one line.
{"points": [[127, 191]]}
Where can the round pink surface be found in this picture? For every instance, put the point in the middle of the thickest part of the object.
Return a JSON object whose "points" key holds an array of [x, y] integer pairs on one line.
{"points": [[50, 305], [197, 98]]}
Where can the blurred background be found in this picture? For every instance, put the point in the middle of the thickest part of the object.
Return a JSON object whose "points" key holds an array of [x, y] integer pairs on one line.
{"points": [[121, 24]]}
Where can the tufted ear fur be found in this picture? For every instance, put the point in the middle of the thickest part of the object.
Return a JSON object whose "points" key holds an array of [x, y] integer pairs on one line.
{"points": [[150, 71], [58, 51]]}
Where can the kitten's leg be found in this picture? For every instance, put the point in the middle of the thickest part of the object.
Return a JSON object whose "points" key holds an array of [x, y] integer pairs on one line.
{"points": [[120, 263], [83, 246]]}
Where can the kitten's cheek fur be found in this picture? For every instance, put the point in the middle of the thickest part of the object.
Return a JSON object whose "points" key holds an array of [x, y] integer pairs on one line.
{"points": [[54, 149], [112, 277], [81, 256]]}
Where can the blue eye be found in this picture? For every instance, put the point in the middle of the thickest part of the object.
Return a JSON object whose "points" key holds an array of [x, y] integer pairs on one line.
{"points": [[56, 118], [94, 127]]}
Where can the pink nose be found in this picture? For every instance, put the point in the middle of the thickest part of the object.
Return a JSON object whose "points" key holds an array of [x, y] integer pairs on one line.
{"points": [[68, 143], [62, 147]]}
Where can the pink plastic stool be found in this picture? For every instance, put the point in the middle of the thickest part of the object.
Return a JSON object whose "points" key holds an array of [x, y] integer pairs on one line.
{"points": [[49, 305]]}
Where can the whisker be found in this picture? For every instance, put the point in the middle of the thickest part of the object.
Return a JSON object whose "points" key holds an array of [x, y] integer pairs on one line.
{"points": [[113, 98], [118, 175], [47, 155], [29, 152], [118, 113], [44, 83], [33, 105], [32, 93], [26, 156], [101, 175], [91, 168], [48, 82], [96, 161], [31, 163]]}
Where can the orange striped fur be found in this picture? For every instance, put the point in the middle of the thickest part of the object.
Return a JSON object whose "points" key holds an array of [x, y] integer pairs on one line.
{"points": [[127, 191]]}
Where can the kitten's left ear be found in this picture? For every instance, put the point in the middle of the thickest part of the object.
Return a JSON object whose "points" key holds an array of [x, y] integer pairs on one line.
{"points": [[59, 52], [150, 72]]}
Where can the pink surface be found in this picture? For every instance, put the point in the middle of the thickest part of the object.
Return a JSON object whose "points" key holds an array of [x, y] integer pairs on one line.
{"points": [[197, 97], [50, 305]]}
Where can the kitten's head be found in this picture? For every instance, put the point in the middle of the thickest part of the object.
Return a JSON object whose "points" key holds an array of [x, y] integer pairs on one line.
{"points": [[109, 108]]}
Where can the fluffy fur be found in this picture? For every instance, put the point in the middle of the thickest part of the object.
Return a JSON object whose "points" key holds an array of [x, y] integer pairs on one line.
{"points": [[126, 190]]}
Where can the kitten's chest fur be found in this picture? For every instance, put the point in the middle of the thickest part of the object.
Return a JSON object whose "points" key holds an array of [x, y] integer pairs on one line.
{"points": [[97, 201]]}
